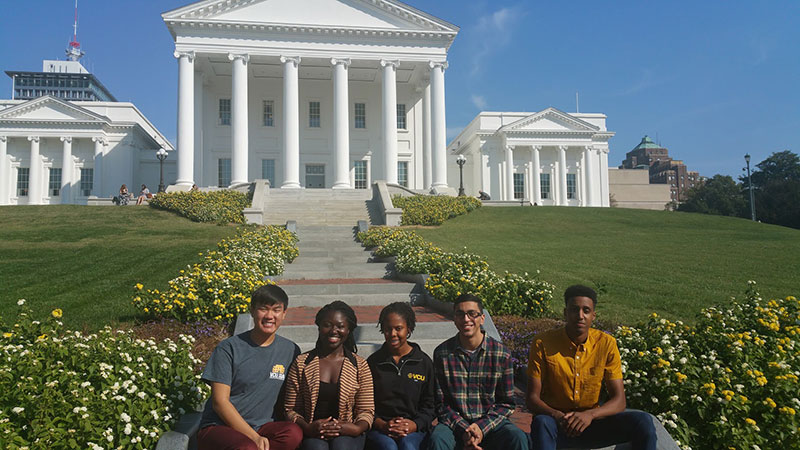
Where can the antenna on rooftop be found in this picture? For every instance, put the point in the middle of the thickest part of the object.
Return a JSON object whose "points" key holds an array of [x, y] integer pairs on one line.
{"points": [[74, 51]]}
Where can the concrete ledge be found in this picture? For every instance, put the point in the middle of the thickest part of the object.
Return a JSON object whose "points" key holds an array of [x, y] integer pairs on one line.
{"points": [[516, 203], [184, 436], [391, 215]]}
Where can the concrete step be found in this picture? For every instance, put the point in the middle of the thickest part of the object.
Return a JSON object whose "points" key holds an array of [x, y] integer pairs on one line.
{"points": [[343, 252], [334, 258], [320, 300], [347, 289], [330, 274]]}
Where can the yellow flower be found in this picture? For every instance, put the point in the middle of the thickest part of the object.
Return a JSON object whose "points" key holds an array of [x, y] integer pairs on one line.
{"points": [[139, 286], [681, 377], [750, 421], [42, 337], [57, 313], [8, 335], [787, 410]]}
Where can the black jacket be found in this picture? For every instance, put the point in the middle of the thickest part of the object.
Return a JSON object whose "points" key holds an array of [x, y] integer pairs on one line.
{"points": [[404, 389]]}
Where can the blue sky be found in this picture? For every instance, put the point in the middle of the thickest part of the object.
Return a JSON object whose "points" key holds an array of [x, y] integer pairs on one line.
{"points": [[710, 80]]}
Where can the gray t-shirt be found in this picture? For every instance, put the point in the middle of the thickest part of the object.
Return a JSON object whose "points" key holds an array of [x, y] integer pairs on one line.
{"points": [[255, 375]]}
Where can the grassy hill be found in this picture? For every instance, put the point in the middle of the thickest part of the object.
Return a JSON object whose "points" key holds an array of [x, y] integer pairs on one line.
{"points": [[643, 261], [86, 260]]}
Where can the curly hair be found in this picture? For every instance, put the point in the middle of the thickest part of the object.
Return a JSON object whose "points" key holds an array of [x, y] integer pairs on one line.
{"points": [[402, 309], [352, 322]]}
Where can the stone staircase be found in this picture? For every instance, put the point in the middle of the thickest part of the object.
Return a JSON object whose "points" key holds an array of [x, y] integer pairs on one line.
{"points": [[317, 207], [333, 266]]}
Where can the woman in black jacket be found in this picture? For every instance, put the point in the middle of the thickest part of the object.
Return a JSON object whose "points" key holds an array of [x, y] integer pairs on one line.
{"points": [[403, 378]]}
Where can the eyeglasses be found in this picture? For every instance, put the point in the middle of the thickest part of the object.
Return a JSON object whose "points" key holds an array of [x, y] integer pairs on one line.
{"points": [[471, 313]]}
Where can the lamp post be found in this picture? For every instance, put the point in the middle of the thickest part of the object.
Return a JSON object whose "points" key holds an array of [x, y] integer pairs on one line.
{"points": [[750, 188], [461, 160], [161, 154]]}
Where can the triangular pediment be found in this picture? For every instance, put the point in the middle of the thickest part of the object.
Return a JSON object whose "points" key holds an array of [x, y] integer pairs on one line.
{"points": [[550, 119], [50, 109], [357, 14]]}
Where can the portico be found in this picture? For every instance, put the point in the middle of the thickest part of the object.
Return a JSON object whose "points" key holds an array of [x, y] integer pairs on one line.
{"points": [[315, 93]]}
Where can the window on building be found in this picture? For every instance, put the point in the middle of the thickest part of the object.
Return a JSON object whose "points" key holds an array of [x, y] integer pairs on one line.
{"points": [[571, 186], [401, 116], [269, 113], [224, 172], [360, 119], [87, 182], [360, 170], [55, 182], [23, 177], [314, 115], [519, 185], [224, 111], [268, 171], [544, 185], [402, 173]]}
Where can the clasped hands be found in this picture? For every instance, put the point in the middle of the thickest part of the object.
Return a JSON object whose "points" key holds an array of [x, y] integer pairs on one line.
{"points": [[399, 427], [473, 436], [574, 422], [330, 428]]}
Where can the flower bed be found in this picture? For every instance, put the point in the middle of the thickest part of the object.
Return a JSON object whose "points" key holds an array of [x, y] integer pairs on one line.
{"points": [[454, 273], [433, 209], [731, 379], [63, 389], [219, 287], [222, 207]]}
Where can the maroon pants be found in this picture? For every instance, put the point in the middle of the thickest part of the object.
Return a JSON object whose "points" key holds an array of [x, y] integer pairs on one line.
{"points": [[281, 435]]}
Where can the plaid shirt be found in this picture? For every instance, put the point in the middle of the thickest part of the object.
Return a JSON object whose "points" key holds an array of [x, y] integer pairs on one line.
{"points": [[475, 388]]}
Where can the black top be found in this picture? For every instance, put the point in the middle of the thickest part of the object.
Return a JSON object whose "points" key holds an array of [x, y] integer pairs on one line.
{"points": [[327, 401], [404, 389]]}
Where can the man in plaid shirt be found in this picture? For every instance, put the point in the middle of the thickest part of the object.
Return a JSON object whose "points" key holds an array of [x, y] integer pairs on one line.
{"points": [[474, 382]]}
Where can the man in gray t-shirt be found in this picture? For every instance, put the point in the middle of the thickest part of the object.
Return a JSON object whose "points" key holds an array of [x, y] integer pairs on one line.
{"points": [[246, 374]]}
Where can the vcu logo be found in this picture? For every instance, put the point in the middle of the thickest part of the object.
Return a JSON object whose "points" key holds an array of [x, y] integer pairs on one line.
{"points": [[416, 376], [278, 372]]}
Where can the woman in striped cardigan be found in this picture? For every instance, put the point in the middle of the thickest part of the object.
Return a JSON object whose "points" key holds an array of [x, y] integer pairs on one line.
{"points": [[329, 389]]}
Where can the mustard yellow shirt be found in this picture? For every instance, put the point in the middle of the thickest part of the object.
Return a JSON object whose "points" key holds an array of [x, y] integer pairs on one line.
{"points": [[572, 375]]}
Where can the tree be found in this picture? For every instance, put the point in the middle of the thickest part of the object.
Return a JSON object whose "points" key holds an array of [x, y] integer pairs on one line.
{"points": [[777, 189], [718, 195]]}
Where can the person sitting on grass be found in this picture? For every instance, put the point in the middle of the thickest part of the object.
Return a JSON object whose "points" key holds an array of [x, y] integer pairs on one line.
{"points": [[474, 387], [246, 373], [566, 370], [403, 377]]}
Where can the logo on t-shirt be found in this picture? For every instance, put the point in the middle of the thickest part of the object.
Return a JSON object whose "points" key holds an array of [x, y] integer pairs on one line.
{"points": [[416, 376], [278, 372]]}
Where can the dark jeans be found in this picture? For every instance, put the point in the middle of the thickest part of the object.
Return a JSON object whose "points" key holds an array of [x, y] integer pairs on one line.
{"points": [[379, 441], [281, 435], [505, 437], [339, 443], [631, 426]]}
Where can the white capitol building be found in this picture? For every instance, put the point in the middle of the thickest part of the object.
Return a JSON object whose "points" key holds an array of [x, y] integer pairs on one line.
{"points": [[319, 94]]}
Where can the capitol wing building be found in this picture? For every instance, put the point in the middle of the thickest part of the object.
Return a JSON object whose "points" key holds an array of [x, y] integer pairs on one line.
{"points": [[310, 94]]}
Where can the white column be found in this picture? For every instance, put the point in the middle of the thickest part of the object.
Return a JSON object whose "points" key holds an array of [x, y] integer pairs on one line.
{"points": [[554, 185], [67, 169], [427, 168], [580, 179], [438, 125], [588, 175], [239, 133], [185, 118], [35, 178], [389, 120], [562, 175], [537, 175], [604, 199], [341, 124], [291, 122], [97, 181], [509, 173], [5, 175]]}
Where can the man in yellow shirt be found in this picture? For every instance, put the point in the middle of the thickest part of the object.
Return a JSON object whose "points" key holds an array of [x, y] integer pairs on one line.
{"points": [[566, 370]]}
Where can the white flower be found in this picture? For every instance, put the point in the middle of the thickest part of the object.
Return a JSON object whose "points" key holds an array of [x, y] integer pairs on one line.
{"points": [[18, 409], [125, 418], [20, 302], [655, 400], [127, 429]]}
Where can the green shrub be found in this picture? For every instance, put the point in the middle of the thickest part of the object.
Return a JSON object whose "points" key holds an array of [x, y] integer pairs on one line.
{"points": [[730, 381], [219, 287], [433, 209], [220, 207], [452, 274], [64, 389]]}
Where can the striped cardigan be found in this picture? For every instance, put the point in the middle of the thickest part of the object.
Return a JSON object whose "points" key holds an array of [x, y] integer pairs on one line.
{"points": [[356, 400]]}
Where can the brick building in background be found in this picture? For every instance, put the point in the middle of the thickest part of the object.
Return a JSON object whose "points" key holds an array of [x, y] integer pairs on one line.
{"points": [[662, 168]]}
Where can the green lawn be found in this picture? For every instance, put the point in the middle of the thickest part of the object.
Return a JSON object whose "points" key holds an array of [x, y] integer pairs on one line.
{"points": [[646, 261], [86, 259]]}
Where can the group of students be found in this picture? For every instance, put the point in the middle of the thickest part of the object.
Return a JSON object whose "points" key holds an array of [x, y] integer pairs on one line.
{"points": [[265, 394]]}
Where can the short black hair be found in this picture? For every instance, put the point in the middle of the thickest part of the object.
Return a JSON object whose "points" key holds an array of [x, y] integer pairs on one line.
{"points": [[402, 309], [467, 297], [579, 290], [352, 322], [269, 295]]}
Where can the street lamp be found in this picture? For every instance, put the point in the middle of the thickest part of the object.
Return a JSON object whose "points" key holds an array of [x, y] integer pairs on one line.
{"points": [[461, 160], [161, 154], [750, 186]]}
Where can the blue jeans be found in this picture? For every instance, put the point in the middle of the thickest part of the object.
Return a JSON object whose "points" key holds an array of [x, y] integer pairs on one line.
{"points": [[379, 441], [631, 426], [505, 436], [339, 443]]}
